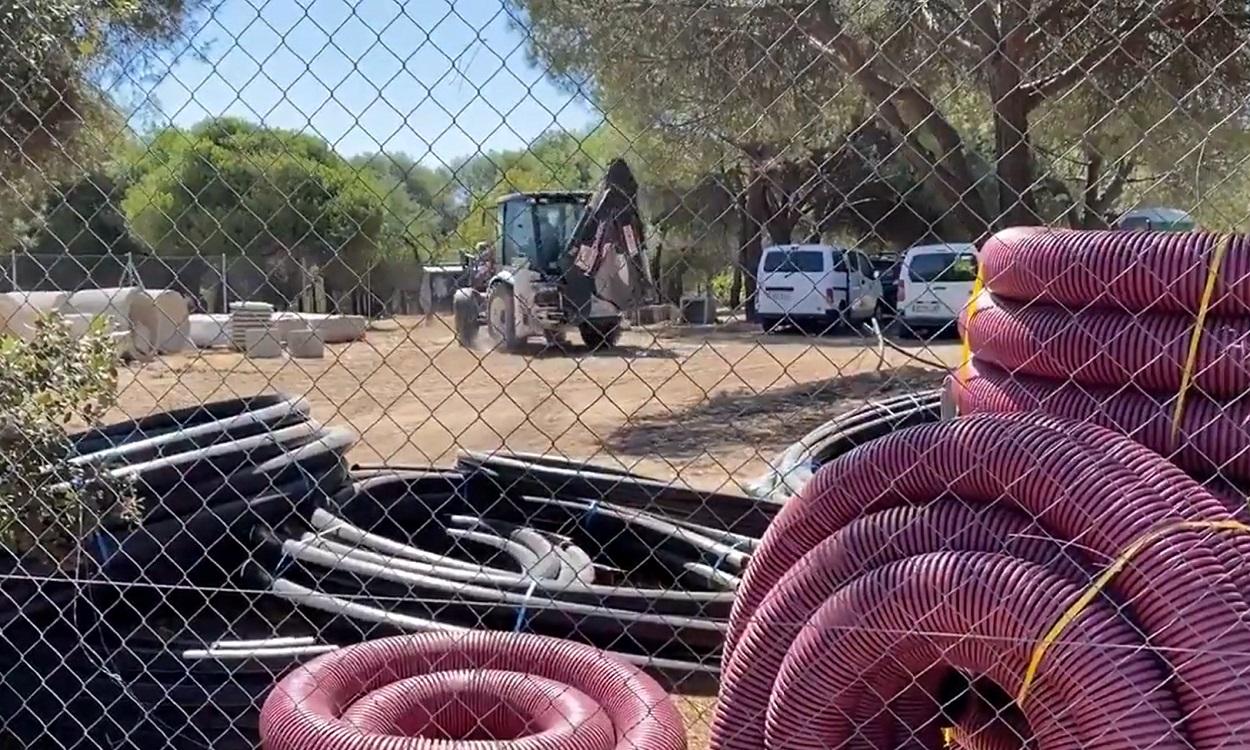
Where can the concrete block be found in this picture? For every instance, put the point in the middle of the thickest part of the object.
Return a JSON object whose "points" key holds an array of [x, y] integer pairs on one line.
{"points": [[262, 343], [305, 343]]}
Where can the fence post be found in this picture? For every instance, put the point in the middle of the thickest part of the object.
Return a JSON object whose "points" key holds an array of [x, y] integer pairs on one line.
{"points": [[225, 286]]}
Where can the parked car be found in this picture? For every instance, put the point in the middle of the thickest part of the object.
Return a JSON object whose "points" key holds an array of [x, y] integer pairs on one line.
{"points": [[815, 285], [1157, 220], [935, 284]]}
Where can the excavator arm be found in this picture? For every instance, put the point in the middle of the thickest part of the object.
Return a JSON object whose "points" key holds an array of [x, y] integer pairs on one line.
{"points": [[606, 257]]}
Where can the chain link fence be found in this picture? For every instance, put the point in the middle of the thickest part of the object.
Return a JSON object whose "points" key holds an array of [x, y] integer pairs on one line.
{"points": [[730, 374]]}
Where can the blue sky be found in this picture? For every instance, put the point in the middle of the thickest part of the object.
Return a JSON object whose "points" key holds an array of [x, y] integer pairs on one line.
{"points": [[434, 78]]}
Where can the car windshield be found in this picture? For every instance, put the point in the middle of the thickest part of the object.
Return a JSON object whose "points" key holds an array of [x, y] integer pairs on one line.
{"points": [[943, 267], [539, 231], [792, 261]]}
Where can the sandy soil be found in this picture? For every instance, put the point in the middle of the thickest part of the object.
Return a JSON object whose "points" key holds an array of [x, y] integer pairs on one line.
{"points": [[702, 405]]}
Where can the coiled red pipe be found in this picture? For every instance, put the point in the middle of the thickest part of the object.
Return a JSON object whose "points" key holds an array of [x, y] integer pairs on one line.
{"points": [[1212, 438], [956, 546], [1114, 348], [1099, 326], [1162, 272], [522, 692]]}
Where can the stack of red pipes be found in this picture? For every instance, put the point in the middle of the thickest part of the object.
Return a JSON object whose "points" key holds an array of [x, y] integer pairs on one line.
{"points": [[1146, 333]]}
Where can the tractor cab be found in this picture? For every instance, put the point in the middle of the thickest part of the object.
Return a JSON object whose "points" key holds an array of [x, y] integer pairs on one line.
{"points": [[567, 259], [536, 228]]}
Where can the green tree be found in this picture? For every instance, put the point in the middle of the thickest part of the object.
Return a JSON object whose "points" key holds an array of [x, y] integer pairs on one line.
{"points": [[83, 217], [55, 53], [231, 187], [554, 161], [986, 101], [422, 205], [47, 382], [94, 150], [563, 160]]}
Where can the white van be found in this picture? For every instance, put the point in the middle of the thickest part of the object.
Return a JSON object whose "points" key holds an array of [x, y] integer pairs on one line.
{"points": [[934, 285], [821, 285]]}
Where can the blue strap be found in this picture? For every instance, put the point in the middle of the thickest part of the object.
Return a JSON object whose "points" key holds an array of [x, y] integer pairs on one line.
{"points": [[729, 548], [105, 545], [521, 614], [589, 514]]}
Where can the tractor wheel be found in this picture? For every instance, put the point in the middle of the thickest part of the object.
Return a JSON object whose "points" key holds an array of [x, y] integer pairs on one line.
{"points": [[600, 334], [501, 317], [465, 307]]}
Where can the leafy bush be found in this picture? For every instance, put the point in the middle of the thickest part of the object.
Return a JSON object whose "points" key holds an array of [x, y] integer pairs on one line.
{"points": [[47, 383], [722, 284]]}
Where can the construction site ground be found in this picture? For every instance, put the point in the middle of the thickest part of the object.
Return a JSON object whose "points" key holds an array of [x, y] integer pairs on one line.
{"points": [[707, 406]]}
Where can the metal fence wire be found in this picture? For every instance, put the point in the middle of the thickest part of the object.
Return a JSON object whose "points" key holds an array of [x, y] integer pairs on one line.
{"points": [[575, 375]]}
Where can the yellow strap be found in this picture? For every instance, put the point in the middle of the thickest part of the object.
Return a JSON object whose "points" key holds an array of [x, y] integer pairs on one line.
{"points": [[1204, 305], [1091, 593], [965, 359]]}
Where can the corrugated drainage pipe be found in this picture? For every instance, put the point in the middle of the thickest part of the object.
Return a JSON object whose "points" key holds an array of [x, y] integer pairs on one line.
{"points": [[1146, 333], [953, 547], [522, 692], [1210, 438]]}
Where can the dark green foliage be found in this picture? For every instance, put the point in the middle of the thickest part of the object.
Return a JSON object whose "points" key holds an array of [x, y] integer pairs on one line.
{"points": [[84, 217], [228, 187], [48, 382], [53, 51]]}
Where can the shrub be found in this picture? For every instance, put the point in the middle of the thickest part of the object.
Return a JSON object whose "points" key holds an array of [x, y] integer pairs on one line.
{"points": [[48, 383]]}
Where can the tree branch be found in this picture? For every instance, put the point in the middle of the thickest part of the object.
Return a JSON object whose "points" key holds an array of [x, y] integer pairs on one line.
{"points": [[1037, 24], [984, 21], [1116, 187], [1130, 33], [936, 29]]}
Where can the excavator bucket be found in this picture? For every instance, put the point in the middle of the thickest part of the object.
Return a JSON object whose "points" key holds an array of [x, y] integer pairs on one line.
{"points": [[606, 258]]}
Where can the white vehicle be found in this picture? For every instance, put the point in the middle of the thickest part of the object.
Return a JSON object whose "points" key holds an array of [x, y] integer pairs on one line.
{"points": [[817, 285], [934, 285]]}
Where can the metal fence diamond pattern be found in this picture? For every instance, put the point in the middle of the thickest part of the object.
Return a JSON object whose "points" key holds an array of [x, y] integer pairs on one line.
{"points": [[730, 374]]}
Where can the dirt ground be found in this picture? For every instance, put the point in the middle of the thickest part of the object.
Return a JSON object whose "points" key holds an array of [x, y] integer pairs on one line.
{"points": [[703, 405]]}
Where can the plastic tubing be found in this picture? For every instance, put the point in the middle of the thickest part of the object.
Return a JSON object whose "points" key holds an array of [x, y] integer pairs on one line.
{"points": [[297, 594], [518, 691], [1211, 437], [414, 560], [1162, 272], [1109, 348], [372, 565], [956, 546], [1146, 333], [327, 523]]}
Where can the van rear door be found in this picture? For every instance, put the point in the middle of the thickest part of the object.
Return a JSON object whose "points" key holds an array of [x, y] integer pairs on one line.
{"points": [[794, 278], [939, 281]]}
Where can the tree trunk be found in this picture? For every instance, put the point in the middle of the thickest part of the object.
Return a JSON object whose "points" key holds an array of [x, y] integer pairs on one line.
{"points": [[1014, 158], [906, 111], [735, 289], [657, 271], [1095, 202], [781, 214], [753, 207], [780, 220]]}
